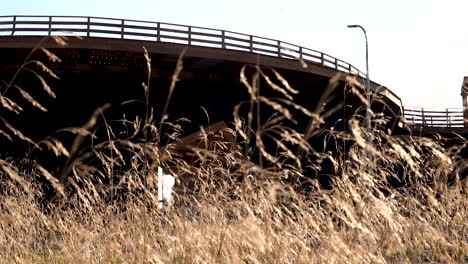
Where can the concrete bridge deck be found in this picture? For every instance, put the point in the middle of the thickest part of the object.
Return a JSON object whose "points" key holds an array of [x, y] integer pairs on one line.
{"points": [[115, 45], [131, 35]]}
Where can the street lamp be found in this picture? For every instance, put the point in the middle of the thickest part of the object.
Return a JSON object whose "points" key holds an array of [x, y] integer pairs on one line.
{"points": [[368, 92]]}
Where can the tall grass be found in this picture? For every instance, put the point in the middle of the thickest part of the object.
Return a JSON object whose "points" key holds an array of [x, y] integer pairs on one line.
{"points": [[246, 200]]}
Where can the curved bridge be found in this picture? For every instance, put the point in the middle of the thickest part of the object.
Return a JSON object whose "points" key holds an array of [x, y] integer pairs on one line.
{"points": [[98, 27], [100, 32], [112, 45]]}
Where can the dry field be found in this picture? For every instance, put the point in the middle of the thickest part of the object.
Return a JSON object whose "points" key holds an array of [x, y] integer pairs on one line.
{"points": [[238, 203]]}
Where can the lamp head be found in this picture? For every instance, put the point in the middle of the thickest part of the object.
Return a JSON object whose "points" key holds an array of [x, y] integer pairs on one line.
{"points": [[357, 26]]}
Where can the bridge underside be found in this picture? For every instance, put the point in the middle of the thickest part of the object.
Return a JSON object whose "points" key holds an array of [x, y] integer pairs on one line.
{"points": [[96, 71]]}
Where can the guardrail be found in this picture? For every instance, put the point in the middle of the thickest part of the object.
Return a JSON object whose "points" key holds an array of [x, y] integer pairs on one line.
{"points": [[164, 32], [26, 25], [443, 118]]}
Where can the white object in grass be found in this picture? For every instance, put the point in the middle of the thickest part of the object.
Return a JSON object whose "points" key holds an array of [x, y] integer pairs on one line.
{"points": [[165, 184]]}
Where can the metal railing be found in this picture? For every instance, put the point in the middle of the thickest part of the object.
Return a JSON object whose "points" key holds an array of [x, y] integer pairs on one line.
{"points": [[25, 25], [164, 32], [442, 118]]}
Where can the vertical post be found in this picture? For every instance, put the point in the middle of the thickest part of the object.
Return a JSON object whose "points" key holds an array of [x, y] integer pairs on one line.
{"points": [[160, 188], [336, 64], [448, 119], [349, 68], [465, 110], [88, 28], [464, 94], [300, 52], [158, 32], [279, 48], [423, 117], [368, 93], [14, 26], [122, 26], [368, 97], [190, 35], [432, 123], [50, 25], [223, 42], [322, 59], [251, 43]]}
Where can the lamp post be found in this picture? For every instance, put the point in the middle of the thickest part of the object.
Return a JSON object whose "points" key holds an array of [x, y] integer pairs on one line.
{"points": [[368, 92]]}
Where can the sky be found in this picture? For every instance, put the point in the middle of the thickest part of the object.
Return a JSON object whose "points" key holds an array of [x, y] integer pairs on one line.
{"points": [[417, 48]]}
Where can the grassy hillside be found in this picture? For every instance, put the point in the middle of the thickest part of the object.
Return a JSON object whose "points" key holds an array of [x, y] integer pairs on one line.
{"points": [[246, 194]]}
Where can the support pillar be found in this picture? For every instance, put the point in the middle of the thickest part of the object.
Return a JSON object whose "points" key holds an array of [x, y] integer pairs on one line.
{"points": [[464, 94]]}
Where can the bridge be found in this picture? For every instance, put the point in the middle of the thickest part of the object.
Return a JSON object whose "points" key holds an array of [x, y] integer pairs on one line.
{"points": [[113, 48], [441, 121]]}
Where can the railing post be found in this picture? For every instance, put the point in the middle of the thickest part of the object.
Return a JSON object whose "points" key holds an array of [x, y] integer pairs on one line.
{"points": [[50, 25], [432, 123], [336, 64], [190, 35], [349, 68], [322, 59], [251, 43], [448, 120], [279, 48], [14, 26], [122, 29], [158, 32], [300, 52], [88, 28], [223, 42], [423, 117]]}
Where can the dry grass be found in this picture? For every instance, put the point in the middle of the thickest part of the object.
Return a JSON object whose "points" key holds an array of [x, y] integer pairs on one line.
{"points": [[230, 209]]}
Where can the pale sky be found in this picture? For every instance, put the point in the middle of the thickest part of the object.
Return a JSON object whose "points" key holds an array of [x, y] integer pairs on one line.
{"points": [[417, 48]]}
